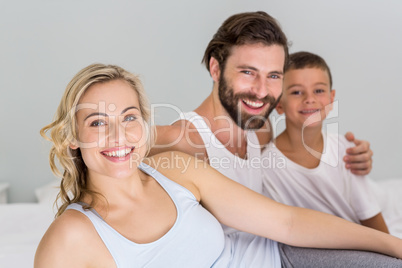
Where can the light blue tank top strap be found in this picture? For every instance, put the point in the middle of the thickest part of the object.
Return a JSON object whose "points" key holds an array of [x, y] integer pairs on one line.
{"points": [[195, 230]]}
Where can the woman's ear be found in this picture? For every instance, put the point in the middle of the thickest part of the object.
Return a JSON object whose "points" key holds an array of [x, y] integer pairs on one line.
{"points": [[214, 69], [74, 144]]}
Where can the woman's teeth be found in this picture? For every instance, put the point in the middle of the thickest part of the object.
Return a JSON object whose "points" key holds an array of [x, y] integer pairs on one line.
{"points": [[119, 153]]}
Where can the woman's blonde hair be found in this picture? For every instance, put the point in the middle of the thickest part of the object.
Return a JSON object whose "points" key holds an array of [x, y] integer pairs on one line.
{"points": [[63, 130]]}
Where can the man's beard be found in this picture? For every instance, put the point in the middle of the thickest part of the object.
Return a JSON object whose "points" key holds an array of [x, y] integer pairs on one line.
{"points": [[242, 119]]}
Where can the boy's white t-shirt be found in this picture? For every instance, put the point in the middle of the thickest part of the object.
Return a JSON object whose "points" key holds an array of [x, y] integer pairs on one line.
{"points": [[329, 188]]}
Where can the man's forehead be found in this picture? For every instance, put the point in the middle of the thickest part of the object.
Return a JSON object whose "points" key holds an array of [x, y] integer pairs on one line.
{"points": [[261, 61], [253, 47], [266, 54]]}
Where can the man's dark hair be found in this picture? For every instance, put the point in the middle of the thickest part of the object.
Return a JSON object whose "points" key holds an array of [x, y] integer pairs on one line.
{"points": [[241, 29]]}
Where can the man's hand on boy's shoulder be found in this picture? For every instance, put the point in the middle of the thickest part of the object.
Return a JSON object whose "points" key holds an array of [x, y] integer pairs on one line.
{"points": [[359, 158]]}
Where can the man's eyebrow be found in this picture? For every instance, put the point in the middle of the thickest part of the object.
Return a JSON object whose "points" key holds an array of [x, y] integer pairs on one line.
{"points": [[255, 69], [276, 72], [247, 67]]}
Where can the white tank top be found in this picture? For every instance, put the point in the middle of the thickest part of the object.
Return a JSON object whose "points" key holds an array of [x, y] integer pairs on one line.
{"points": [[241, 249], [245, 171], [195, 240]]}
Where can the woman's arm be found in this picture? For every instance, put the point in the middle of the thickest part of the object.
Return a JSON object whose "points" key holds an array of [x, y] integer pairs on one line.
{"points": [[241, 208]]}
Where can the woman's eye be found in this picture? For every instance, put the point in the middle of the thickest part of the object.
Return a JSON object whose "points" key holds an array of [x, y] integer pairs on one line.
{"points": [[129, 118], [97, 123]]}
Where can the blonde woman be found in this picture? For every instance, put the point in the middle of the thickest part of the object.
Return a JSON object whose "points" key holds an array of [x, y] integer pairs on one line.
{"points": [[121, 209]]}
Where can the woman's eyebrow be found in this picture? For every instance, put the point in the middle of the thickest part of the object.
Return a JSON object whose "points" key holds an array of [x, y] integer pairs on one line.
{"points": [[128, 108], [95, 114], [105, 115]]}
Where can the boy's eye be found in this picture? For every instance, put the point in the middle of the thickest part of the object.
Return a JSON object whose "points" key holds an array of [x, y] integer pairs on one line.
{"points": [[296, 92], [98, 123], [129, 118]]}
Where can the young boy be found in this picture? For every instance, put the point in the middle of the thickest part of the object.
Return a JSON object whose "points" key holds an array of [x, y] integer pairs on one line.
{"points": [[313, 175]]}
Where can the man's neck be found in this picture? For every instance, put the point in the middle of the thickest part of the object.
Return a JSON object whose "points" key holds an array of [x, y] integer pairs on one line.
{"points": [[222, 126]]}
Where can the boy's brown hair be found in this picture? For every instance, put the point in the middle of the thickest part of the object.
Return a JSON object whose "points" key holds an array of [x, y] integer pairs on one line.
{"points": [[303, 59]]}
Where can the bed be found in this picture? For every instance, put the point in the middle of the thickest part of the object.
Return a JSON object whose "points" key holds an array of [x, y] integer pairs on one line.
{"points": [[23, 224]]}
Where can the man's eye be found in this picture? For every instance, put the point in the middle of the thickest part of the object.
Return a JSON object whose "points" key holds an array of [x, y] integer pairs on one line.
{"points": [[274, 76], [129, 118], [98, 123], [246, 72], [320, 90]]}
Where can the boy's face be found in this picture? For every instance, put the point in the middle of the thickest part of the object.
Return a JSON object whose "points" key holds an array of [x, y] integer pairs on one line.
{"points": [[307, 97]]}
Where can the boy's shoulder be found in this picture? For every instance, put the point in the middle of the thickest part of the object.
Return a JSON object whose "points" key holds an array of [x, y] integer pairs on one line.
{"points": [[338, 139], [336, 145]]}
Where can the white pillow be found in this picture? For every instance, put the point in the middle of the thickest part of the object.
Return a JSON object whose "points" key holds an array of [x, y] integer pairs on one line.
{"points": [[48, 192]]}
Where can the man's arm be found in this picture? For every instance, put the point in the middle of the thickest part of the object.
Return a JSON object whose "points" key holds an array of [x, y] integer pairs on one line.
{"points": [[181, 136], [377, 222], [359, 158]]}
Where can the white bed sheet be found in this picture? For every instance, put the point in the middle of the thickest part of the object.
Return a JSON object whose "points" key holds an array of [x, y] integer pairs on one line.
{"points": [[21, 228], [389, 196], [23, 225]]}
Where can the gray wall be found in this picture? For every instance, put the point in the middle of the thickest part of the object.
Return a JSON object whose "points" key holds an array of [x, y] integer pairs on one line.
{"points": [[44, 43]]}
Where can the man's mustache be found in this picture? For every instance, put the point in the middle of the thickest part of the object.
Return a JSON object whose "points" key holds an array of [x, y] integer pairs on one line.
{"points": [[267, 99]]}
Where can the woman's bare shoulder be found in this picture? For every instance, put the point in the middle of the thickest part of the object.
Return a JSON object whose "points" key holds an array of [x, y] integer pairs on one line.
{"points": [[68, 228], [70, 241]]}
